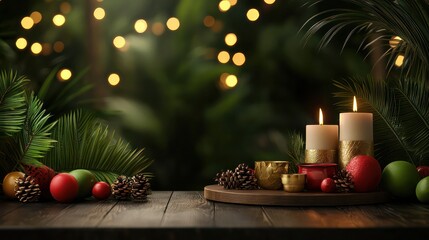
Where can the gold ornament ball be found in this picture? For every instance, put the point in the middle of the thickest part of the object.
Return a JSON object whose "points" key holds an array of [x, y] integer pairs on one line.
{"points": [[9, 183]]}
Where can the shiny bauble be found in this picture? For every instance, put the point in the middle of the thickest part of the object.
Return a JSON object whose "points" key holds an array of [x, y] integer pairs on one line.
{"points": [[101, 191], [422, 190], [423, 171], [400, 178], [328, 185], [9, 183], [64, 187], [366, 173], [85, 180]]}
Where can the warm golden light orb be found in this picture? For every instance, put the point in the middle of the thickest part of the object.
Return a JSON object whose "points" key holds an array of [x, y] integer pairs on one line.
{"points": [[140, 26], [252, 14]]}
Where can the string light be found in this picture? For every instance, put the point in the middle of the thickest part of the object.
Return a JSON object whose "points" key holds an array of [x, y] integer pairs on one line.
{"points": [[27, 22], [173, 24], [58, 20], [119, 42], [113, 79], [21, 43], [230, 39], [223, 57], [65, 7], [269, 1], [232, 2], [395, 41], [140, 26], [99, 13], [46, 49], [231, 81], [64, 74], [224, 5], [252, 14], [399, 60], [238, 59], [36, 48], [36, 16]]}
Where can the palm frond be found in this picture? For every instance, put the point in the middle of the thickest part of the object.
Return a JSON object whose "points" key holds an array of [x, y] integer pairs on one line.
{"points": [[401, 116], [85, 142], [385, 18], [12, 103], [295, 150]]}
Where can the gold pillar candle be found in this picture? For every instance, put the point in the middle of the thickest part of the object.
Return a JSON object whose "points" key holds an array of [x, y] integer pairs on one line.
{"points": [[269, 173], [356, 135], [321, 142]]}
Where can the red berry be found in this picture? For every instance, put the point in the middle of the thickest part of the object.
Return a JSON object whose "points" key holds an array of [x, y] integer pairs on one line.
{"points": [[328, 185], [423, 171], [64, 187], [101, 190]]}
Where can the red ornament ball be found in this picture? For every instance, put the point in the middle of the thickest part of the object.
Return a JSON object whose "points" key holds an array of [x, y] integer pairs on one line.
{"points": [[64, 187], [101, 191], [366, 173], [328, 185]]}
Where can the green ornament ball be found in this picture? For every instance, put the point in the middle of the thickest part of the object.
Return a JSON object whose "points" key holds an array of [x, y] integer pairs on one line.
{"points": [[86, 180], [400, 178], [422, 190]]}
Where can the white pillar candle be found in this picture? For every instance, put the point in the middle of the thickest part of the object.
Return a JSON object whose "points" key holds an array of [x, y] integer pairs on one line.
{"points": [[356, 126], [322, 137]]}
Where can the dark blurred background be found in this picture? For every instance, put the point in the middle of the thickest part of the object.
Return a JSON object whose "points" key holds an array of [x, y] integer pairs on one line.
{"points": [[201, 85]]}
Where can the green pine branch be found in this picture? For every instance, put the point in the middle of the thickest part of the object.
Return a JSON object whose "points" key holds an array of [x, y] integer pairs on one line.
{"points": [[85, 142], [12, 103]]}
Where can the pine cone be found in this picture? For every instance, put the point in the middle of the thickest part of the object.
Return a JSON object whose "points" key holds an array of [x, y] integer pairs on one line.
{"points": [[242, 178], [344, 181], [140, 187], [27, 189], [121, 188]]}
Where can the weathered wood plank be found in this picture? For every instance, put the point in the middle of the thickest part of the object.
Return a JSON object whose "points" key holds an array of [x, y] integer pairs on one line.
{"points": [[7, 206], [188, 209], [135, 214], [82, 214], [32, 214], [234, 215]]}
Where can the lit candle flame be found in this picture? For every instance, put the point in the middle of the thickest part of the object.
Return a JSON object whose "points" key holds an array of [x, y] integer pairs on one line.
{"points": [[354, 104], [320, 117]]}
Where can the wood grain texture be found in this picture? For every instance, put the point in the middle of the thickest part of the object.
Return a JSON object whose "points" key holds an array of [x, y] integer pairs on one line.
{"points": [[234, 215], [7, 206], [188, 209], [130, 214], [281, 198]]}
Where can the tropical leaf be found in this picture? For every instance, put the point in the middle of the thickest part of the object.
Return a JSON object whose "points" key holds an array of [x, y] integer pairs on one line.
{"points": [[401, 116], [383, 19], [85, 142], [295, 149], [12, 103]]}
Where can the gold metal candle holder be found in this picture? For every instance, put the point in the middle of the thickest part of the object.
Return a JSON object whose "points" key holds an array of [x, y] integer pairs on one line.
{"points": [[320, 156], [269, 173], [293, 182], [349, 149]]}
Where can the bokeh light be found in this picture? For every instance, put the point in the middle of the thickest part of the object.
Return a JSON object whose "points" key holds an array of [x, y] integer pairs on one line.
{"points": [[36, 16], [119, 42], [223, 57], [113, 79], [230, 39], [99, 13], [58, 20], [232, 2], [269, 1], [173, 24], [140, 26], [21, 43], [209, 21], [252, 14], [58, 46], [36, 48], [395, 41], [46, 49], [224, 5], [64, 74], [65, 7], [399, 60], [158, 28], [238, 59], [231, 81], [27, 22]]}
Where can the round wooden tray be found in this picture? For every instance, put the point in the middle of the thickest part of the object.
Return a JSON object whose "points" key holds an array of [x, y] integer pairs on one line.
{"points": [[282, 198]]}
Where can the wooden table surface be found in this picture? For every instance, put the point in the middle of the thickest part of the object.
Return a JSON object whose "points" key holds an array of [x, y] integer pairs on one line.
{"points": [[187, 215]]}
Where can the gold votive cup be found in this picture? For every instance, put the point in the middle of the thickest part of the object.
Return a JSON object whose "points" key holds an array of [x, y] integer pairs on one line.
{"points": [[294, 182], [349, 149], [320, 156], [268, 173]]}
